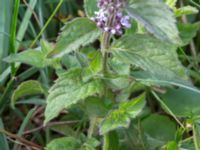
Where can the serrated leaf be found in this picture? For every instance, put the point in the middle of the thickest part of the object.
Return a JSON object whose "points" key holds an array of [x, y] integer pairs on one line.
{"points": [[159, 59], [27, 88], [66, 143], [90, 7], [68, 90], [121, 117], [186, 10], [157, 18], [79, 32]]}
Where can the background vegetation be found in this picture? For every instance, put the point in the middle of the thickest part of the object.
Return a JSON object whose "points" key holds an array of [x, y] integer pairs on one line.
{"points": [[22, 26]]}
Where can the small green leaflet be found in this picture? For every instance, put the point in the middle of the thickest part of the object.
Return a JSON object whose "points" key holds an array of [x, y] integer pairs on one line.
{"points": [[171, 3], [69, 89], [157, 18], [79, 32], [187, 10], [27, 88], [121, 117], [188, 32]]}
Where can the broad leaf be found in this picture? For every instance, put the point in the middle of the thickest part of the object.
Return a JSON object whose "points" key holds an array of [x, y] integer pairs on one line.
{"points": [[69, 89], [156, 16], [182, 102], [121, 117], [27, 88], [158, 59], [159, 130], [77, 33]]}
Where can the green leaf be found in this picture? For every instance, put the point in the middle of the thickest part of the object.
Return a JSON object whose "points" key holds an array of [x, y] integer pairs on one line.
{"points": [[171, 3], [133, 108], [90, 7], [182, 102], [158, 59], [96, 106], [30, 57], [156, 17], [115, 119], [159, 130], [35, 57], [66, 143], [96, 62], [172, 146], [27, 88], [79, 32], [186, 10], [188, 32], [121, 116], [69, 89]]}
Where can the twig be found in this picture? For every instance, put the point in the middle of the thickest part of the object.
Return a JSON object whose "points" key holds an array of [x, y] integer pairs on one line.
{"points": [[50, 125], [20, 139]]}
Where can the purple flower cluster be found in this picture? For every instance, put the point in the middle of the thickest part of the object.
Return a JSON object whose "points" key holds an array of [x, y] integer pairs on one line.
{"points": [[110, 16]]}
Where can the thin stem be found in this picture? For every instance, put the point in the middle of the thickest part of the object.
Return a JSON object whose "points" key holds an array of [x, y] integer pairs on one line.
{"points": [[20, 139], [105, 45], [47, 23]]}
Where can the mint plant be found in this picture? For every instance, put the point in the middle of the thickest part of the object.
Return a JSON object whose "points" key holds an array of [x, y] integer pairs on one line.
{"points": [[110, 84]]}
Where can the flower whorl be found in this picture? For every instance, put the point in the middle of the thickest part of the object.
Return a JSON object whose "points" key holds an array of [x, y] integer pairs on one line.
{"points": [[110, 16]]}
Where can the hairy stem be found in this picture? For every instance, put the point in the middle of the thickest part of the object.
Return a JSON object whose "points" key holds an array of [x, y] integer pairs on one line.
{"points": [[105, 45]]}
